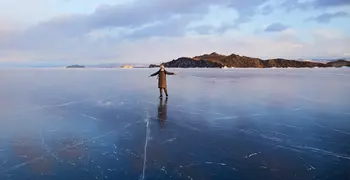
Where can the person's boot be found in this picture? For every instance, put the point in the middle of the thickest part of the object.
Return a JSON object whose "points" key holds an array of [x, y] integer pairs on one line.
{"points": [[166, 92]]}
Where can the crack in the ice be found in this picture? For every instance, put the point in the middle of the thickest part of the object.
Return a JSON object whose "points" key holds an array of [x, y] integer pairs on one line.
{"points": [[57, 105], [332, 129], [65, 148], [145, 147], [200, 163], [46, 147], [185, 126], [169, 140], [253, 154], [91, 117], [309, 166], [321, 151]]}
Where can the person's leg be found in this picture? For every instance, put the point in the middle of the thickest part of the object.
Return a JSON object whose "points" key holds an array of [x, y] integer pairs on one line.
{"points": [[160, 92], [166, 91]]}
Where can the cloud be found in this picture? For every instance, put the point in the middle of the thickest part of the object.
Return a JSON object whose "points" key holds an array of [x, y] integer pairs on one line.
{"points": [[268, 9], [315, 4], [175, 26], [86, 36], [285, 44], [246, 9], [276, 27], [144, 12], [330, 34], [331, 3], [327, 17], [131, 15], [161, 29]]}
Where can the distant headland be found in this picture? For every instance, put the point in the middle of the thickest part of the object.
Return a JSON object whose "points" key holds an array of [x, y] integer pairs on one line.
{"points": [[215, 60], [75, 66], [110, 65]]}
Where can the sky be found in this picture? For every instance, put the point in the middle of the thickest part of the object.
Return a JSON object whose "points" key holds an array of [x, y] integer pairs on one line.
{"points": [[49, 32]]}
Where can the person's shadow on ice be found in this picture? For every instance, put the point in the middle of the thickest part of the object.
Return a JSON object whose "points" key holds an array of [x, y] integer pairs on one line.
{"points": [[162, 111]]}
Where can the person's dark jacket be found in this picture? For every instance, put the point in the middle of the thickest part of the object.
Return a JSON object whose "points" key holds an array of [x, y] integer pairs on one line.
{"points": [[162, 77]]}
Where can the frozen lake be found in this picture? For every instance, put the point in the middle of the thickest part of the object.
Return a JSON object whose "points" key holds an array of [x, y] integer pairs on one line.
{"points": [[244, 124]]}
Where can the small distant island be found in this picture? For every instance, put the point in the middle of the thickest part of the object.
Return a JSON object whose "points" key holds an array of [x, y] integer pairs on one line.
{"points": [[75, 66], [215, 60]]}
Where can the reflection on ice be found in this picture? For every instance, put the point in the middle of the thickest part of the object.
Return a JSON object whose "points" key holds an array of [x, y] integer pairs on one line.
{"points": [[162, 111]]}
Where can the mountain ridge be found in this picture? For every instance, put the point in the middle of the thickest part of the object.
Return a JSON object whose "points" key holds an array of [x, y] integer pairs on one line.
{"points": [[215, 60]]}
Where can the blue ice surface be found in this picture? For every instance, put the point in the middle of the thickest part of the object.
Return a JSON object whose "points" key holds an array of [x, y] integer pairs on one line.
{"points": [[100, 124]]}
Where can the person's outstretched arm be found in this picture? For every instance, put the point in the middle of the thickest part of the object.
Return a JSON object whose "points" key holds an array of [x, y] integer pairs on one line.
{"points": [[154, 74], [169, 73]]}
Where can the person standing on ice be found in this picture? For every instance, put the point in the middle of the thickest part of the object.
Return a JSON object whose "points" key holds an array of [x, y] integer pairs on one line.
{"points": [[162, 80]]}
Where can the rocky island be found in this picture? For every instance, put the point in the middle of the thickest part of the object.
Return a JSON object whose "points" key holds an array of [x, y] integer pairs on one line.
{"points": [[339, 63], [75, 66], [215, 60]]}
